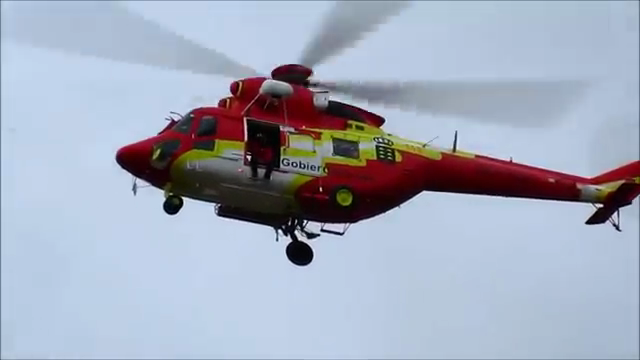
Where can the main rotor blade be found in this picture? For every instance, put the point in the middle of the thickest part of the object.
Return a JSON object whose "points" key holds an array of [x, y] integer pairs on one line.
{"points": [[108, 30], [345, 24], [529, 103]]}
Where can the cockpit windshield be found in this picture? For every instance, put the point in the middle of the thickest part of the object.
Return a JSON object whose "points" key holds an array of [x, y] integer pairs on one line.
{"points": [[163, 152], [184, 125]]}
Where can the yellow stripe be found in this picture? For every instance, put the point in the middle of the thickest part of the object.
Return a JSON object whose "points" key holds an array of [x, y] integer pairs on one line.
{"points": [[239, 88]]}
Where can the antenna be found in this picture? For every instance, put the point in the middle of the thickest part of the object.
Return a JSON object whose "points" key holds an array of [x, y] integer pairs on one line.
{"points": [[135, 187], [430, 141], [455, 141]]}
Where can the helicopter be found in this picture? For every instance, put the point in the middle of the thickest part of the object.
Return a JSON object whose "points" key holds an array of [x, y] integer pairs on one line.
{"points": [[280, 152]]}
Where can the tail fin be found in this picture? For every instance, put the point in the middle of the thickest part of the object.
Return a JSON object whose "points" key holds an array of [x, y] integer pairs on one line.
{"points": [[623, 185]]}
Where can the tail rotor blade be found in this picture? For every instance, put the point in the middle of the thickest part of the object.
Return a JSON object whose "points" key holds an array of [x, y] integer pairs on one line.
{"points": [[528, 103], [108, 30], [345, 24]]}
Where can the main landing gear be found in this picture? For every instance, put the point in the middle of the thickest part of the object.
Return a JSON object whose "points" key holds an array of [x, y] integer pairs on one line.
{"points": [[172, 204], [298, 252]]}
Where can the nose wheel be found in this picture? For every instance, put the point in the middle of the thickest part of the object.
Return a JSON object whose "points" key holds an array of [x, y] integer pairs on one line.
{"points": [[172, 204]]}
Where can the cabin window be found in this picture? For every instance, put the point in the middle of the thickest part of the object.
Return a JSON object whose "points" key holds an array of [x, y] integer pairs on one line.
{"points": [[299, 145], [355, 126], [346, 148], [301, 142], [208, 145], [184, 125], [208, 126]]}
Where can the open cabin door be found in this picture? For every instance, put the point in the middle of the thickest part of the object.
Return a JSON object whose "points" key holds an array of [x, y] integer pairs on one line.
{"points": [[294, 150], [263, 133]]}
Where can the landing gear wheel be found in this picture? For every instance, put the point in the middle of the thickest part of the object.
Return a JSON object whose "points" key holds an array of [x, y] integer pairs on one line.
{"points": [[172, 204], [299, 253]]}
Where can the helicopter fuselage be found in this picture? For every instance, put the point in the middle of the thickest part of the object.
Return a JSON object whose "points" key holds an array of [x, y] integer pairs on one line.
{"points": [[379, 171], [331, 163], [311, 165]]}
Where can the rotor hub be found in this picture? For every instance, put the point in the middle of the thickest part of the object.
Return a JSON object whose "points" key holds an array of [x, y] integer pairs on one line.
{"points": [[292, 73]]}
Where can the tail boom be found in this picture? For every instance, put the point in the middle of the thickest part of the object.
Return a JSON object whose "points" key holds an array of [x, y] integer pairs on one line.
{"points": [[629, 172], [483, 175]]}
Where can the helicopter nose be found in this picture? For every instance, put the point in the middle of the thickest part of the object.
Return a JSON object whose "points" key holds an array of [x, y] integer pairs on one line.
{"points": [[133, 157]]}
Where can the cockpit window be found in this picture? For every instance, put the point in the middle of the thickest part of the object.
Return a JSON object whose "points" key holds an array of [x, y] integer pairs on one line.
{"points": [[208, 126], [163, 152], [184, 125]]}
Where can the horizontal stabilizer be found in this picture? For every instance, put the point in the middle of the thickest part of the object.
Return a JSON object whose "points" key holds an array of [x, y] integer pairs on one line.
{"points": [[621, 197], [602, 215]]}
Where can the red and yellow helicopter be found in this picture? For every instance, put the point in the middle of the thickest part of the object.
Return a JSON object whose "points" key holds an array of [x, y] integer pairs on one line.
{"points": [[279, 152]]}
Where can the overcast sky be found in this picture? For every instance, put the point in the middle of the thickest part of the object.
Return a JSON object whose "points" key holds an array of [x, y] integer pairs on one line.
{"points": [[88, 270]]}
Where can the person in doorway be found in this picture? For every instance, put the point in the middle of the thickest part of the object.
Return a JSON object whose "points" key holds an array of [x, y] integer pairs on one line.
{"points": [[261, 153]]}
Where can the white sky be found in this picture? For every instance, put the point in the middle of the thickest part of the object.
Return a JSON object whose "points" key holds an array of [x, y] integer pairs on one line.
{"points": [[90, 271]]}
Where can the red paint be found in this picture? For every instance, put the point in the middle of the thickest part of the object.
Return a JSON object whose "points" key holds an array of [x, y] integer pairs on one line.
{"points": [[378, 187], [626, 172], [295, 72], [135, 159]]}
